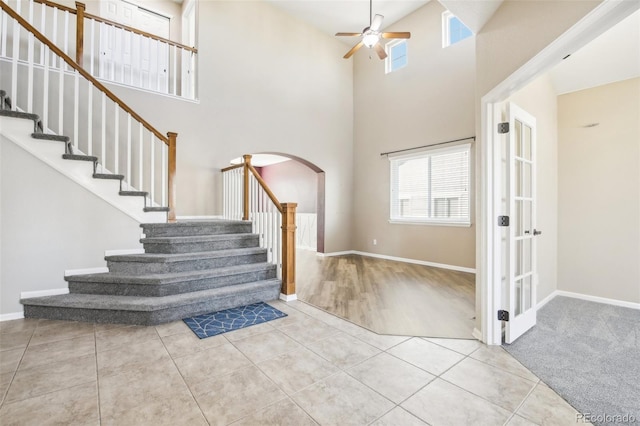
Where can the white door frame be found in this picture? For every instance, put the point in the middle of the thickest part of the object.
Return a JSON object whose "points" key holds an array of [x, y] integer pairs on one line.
{"points": [[488, 247]]}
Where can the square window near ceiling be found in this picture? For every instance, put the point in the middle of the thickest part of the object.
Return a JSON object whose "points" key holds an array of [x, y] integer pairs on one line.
{"points": [[453, 30], [396, 55]]}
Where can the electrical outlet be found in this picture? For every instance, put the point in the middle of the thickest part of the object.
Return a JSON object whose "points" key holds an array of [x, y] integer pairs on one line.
{"points": [[375, 242]]}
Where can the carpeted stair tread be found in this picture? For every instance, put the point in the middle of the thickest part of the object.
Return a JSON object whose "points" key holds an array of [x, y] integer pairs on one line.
{"points": [[156, 209], [208, 227], [146, 304], [195, 238], [18, 114], [169, 278], [48, 137], [133, 193], [182, 257], [107, 176], [78, 157]]}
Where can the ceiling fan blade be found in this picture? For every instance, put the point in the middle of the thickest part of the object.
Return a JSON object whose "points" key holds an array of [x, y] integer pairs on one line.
{"points": [[376, 23], [396, 35], [348, 34], [353, 50], [380, 51]]}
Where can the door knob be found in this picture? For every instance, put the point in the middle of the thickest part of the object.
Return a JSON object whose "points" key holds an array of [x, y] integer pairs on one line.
{"points": [[536, 232]]}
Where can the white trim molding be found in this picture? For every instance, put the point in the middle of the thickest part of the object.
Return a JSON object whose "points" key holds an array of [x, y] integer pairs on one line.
{"points": [[42, 293], [122, 251], [597, 299], [400, 259], [212, 217], [11, 316], [72, 272], [288, 297]]}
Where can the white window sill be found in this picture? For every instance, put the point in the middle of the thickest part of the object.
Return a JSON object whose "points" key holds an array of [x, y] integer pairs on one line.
{"points": [[430, 223]]}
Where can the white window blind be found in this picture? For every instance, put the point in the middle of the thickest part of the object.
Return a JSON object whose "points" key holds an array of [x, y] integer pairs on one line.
{"points": [[431, 186]]}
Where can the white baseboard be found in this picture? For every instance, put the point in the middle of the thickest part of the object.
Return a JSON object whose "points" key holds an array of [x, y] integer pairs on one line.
{"points": [[615, 302], [336, 253], [288, 297], [477, 334], [99, 270], [11, 316], [123, 251], [41, 293], [546, 300], [211, 217]]}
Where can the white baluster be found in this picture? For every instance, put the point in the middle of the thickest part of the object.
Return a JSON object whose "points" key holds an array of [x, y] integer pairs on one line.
{"points": [[140, 153], [158, 65], [54, 37], [43, 27], [65, 46], [3, 36], [116, 136], [103, 141], [93, 46], [30, 54], [14, 64], [121, 49], [152, 194], [76, 108], [90, 119], [174, 76], [45, 86], [139, 54], [165, 166], [61, 97], [129, 153]]}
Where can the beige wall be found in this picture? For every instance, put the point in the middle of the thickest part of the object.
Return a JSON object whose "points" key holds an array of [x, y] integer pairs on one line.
{"points": [[539, 99], [599, 189], [429, 101], [293, 182], [267, 83], [50, 224]]}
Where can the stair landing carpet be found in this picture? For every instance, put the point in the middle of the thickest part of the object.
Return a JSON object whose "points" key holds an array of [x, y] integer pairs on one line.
{"points": [[215, 323]]}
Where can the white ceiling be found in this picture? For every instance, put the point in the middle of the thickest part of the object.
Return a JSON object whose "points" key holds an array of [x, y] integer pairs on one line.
{"points": [[613, 56]]}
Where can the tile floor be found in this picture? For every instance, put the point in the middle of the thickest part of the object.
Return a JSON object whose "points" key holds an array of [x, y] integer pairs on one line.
{"points": [[308, 368]]}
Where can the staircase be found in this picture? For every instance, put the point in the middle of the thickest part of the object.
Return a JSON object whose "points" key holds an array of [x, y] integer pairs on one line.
{"points": [[188, 268]]}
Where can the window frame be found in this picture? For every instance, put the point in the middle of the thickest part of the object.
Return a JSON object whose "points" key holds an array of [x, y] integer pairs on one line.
{"points": [[394, 217], [447, 16], [388, 62]]}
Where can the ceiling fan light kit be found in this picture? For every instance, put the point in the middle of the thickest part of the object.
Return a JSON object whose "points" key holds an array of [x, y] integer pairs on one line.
{"points": [[371, 35]]}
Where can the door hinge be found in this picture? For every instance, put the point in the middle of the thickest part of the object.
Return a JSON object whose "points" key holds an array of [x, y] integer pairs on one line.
{"points": [[503, 127], [503, 315], [503, 220]]}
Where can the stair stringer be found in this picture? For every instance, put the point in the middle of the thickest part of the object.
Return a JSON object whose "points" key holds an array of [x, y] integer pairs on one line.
{"points": [[18, 131]]}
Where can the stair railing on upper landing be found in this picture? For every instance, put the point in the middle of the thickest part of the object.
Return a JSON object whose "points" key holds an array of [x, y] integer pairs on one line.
{"points": [[42, 79], [246, 196], [114, 52]]}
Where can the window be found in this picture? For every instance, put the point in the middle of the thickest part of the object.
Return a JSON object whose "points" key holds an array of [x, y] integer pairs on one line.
{"points": [[431, 186], [453, 30], [396, 55]]}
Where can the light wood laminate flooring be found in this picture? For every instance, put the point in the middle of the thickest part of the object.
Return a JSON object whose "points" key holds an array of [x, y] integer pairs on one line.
{"points": [[389, 297]]}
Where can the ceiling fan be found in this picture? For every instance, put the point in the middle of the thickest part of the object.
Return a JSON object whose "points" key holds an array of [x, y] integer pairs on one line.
{"points": [[371, 35]]}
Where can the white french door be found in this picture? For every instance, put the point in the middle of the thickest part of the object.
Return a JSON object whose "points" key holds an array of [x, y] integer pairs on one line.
{"points": [[521, 298]]}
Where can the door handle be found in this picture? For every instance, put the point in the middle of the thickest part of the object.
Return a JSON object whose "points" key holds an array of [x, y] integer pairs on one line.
{"points": [[536, 232]]}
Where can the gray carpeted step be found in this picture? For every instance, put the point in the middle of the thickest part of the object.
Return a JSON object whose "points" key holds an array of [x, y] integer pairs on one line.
{"points": [[17, 114], [148, 263], [48, 137], [77, 157], [148, 310], [157, 285], [194, 244], [183, 229], [156, 209], [133, 193], [107, 176]]}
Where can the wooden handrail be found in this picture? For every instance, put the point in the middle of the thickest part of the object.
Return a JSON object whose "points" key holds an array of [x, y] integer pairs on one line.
{"points": [[82, 71], [114, 24], [264, 186], [140, 32], [235, 166]]}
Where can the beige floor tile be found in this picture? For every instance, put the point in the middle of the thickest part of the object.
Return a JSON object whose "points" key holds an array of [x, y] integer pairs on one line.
{"points": [[171, 328], [23, 324], [498, 357], [36, 381], [342, 400], [243, 333], [129, 357], [5, 381], [58, 351], [463, 346], [237, 395], [266, 345], [296, 370], [395, 379], [398, 417], [441, 403], [133, 334], [380, 341], [293, 317], [545, 407], [9, 360], [426, 355], [60, 331], [343, 350], [308, 330], [176, 410], [106, 327], [282, 413], [217, 361], [520, 421], [182, 344], [504, 389], [77, 405], [15, 340]]}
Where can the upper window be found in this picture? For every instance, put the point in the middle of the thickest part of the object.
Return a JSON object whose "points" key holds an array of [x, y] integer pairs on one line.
{"points": [[396, 55], [453, 30], [431, 186]]}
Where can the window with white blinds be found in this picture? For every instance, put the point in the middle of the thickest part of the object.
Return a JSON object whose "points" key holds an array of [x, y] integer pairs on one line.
{"points": [[431, 186]]}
